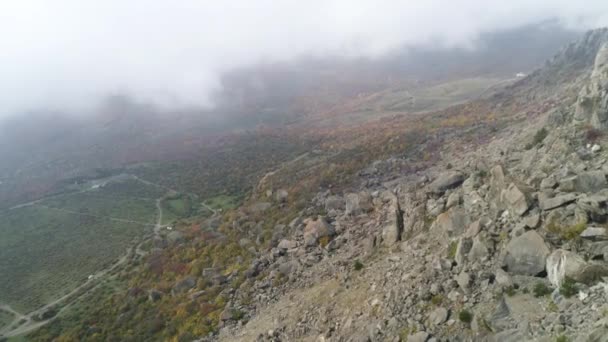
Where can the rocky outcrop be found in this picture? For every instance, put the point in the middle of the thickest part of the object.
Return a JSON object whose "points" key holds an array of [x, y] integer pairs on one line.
{"points": [[592, 103]]}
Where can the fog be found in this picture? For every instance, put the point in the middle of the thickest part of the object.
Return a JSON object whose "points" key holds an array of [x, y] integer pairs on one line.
{"points": [[66, 54]]}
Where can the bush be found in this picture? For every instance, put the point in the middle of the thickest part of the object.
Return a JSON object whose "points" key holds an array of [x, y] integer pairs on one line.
{"points": [[465, 316], [541, 289], [568, 288], [561, 338], [540, 135], [358, 265], [437, 299], [452, 250]]}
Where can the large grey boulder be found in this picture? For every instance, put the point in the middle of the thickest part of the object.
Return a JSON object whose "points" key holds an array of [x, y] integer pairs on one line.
{"points": [[526, 254], [563, 264], [446, 181], [421, 336], [595, 233]]}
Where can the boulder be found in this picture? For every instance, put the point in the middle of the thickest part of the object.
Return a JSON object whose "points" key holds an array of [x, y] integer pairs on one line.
{"points": [[334, 203], [547, 203], [392, 230], [184, 285], [590, 182], [464, 281], [462, 250], [454, 222], [595, 233], [453, 200], [281, 195], [563, 264], [596, 206], [357, 203], [438, 316], [316, 229], [517, 199], [526, 254], [446, 181], [287, 244], [421, 336], [479, 250]]}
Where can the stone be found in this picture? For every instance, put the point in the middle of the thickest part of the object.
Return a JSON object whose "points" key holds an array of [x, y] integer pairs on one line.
{"points": [[503, 278], [548, 183], [393, 228], [479, 250], [316, 229], [546, 203], [462, 250], [596, 148], [438, 316], [287, 244], [357, 203], [595, 233], [516, 199], [532, 220], [590, 182], [334, 203], [184, 285], [453, 200], [596, 206], [446, 181], [281, 195], [526, 254], [421, 336], [453, 222], [563, 264], [464, 281], [154, 295]]}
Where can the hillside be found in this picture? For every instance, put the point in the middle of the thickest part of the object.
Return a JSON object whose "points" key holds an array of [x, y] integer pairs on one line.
{"points": [[460, 207]]}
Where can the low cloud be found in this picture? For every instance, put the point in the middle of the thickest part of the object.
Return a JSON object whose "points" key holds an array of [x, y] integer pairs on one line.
{"points": [[66, 54]]}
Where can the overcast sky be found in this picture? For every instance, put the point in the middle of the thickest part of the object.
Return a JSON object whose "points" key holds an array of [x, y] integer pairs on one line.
{"points": [[66, 53]]}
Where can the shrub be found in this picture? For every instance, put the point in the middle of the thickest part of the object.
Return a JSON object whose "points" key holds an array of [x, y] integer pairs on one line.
{"points": [[540, 135], [465, 316], [568, 288], [437, 299], [511, 290], [452, 250], [541, 289], [358, 265], [561, 338], [593, 134]]}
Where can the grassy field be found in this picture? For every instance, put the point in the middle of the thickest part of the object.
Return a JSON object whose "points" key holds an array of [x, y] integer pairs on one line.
{"points": [[223, 202], [5, 318], [48, 249]]}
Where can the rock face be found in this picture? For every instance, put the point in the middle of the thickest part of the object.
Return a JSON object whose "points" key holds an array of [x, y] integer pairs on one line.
{"points": [[590, 182], [526, 254], [592, 103], [547, 203], [357, 203], [446, 181]]}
